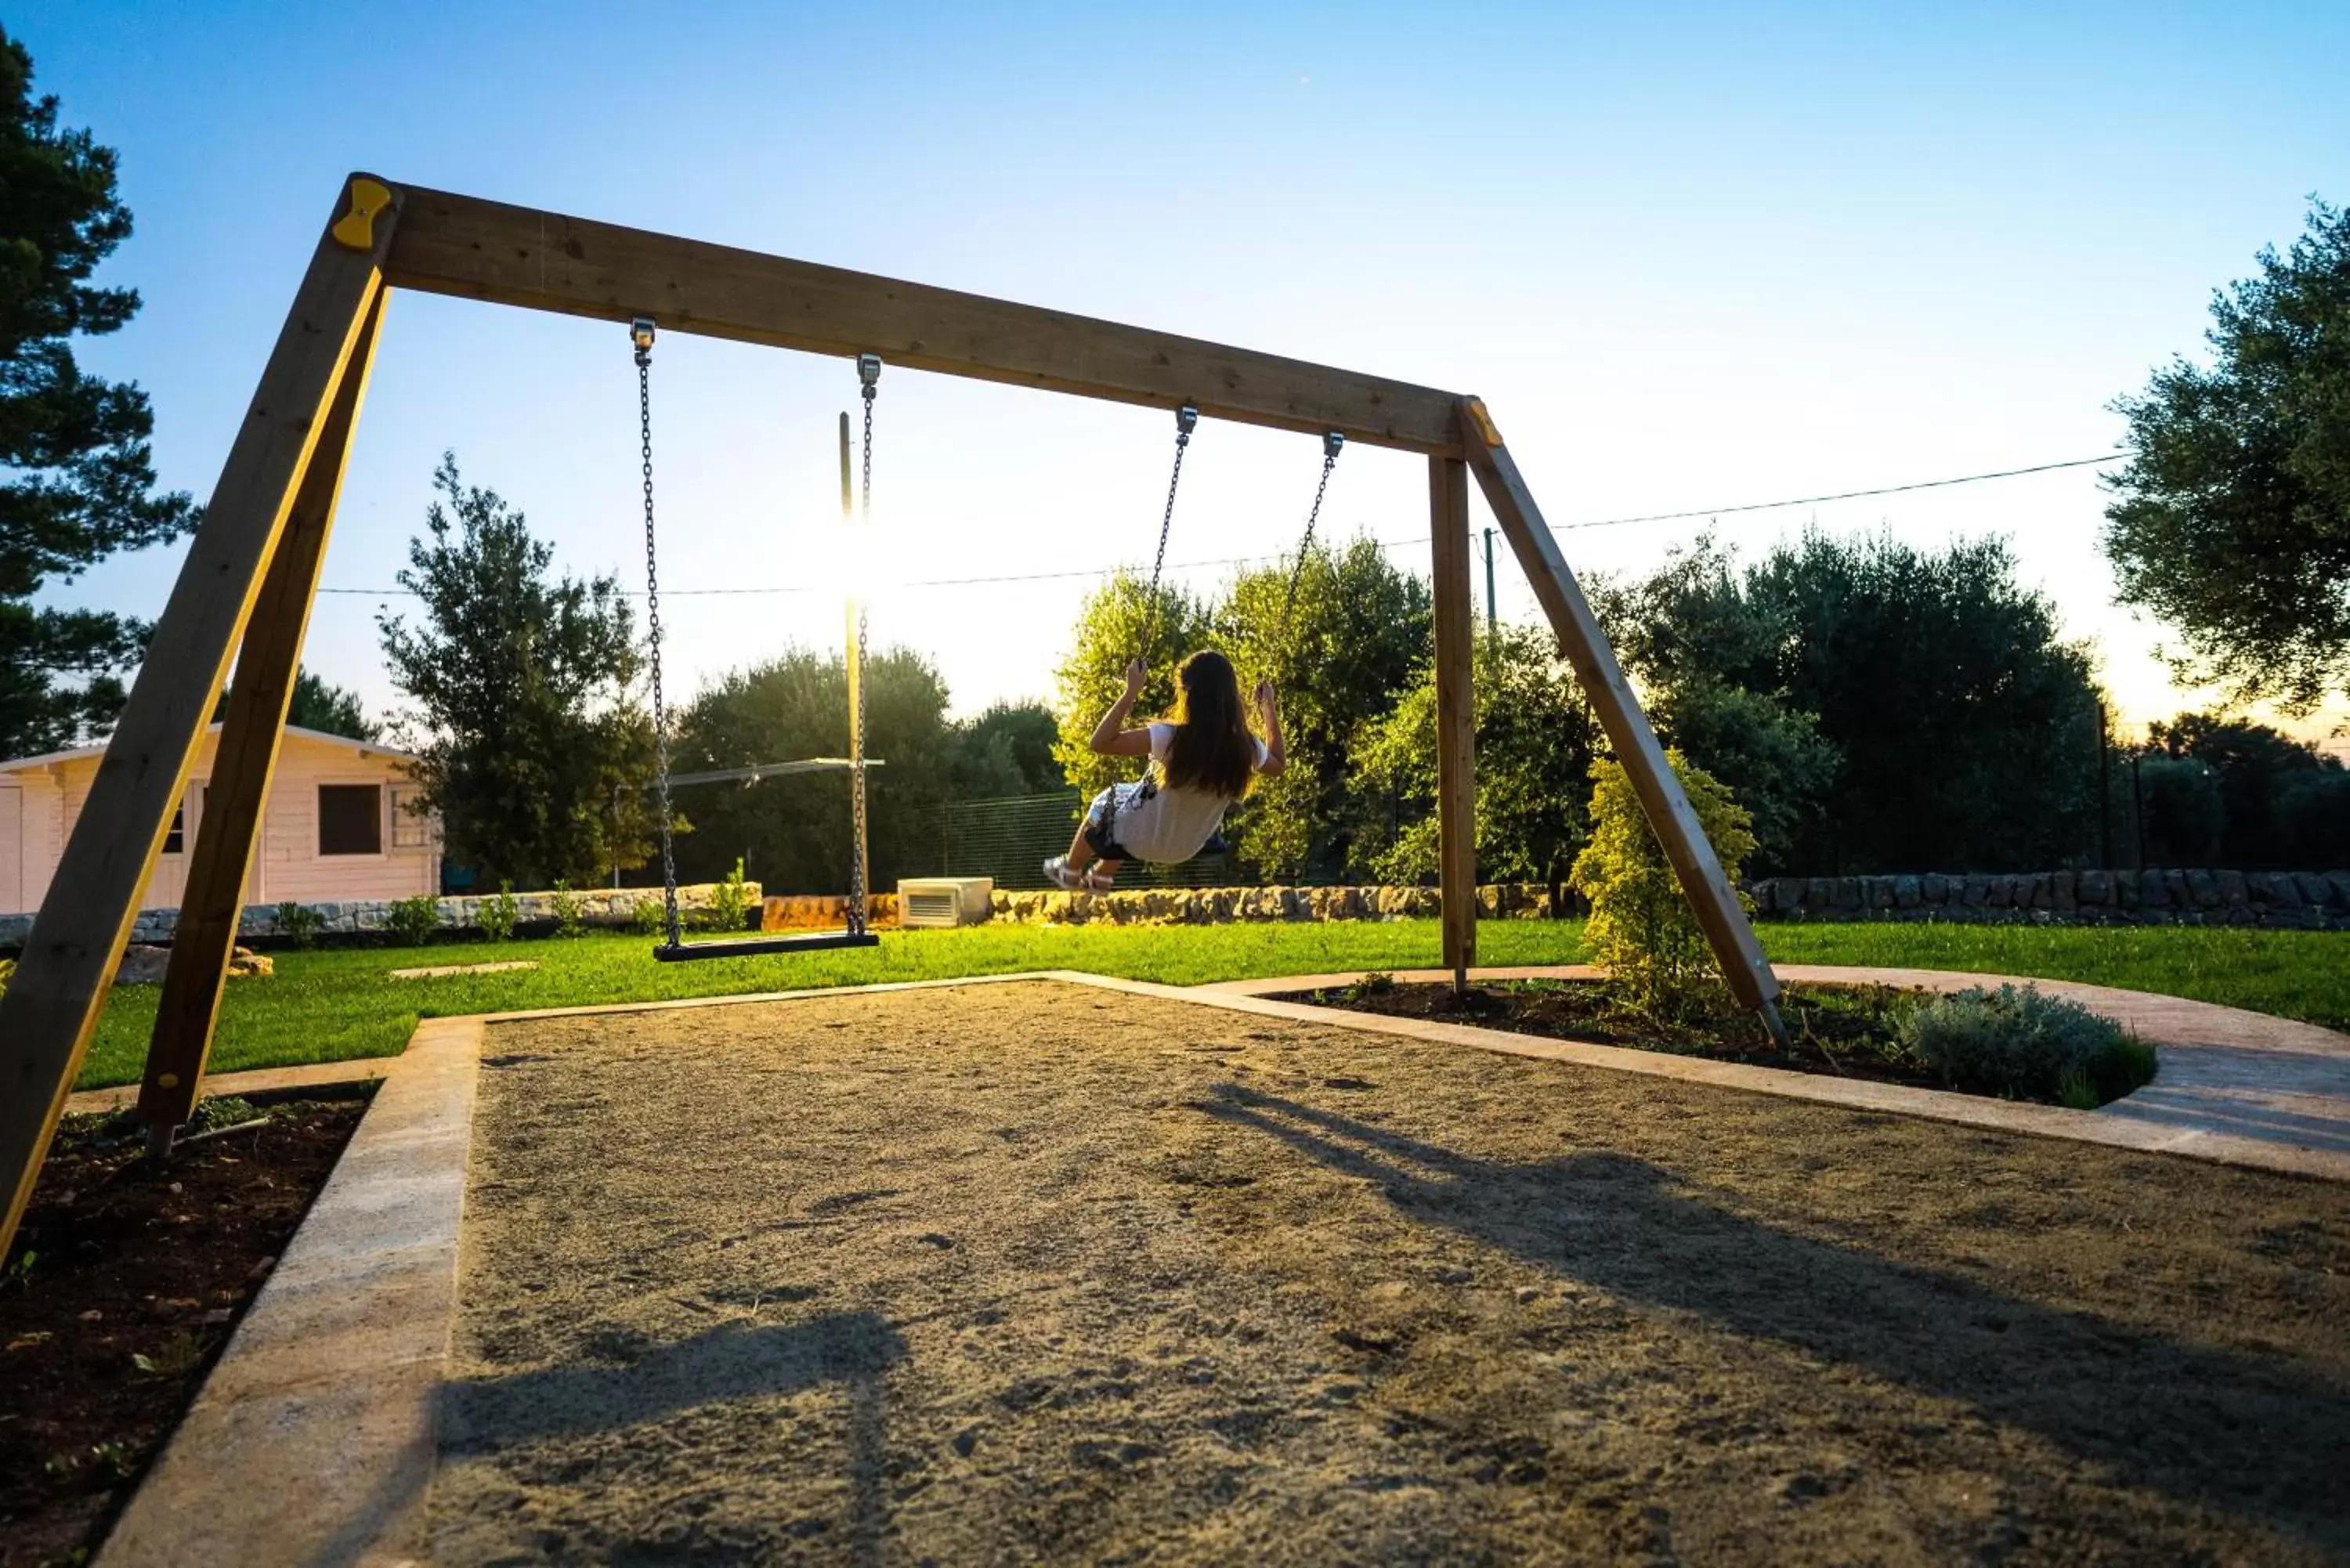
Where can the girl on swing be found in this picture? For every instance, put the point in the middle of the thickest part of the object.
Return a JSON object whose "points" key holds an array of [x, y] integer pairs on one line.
{"points": [[1206, 758]]}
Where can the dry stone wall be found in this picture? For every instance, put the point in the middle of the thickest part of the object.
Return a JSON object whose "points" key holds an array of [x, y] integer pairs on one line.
{"points": [[609, 906], [2308, 900]]}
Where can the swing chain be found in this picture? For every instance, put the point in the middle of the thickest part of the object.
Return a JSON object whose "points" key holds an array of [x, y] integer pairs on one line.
{"points": [[1332, 441], [868, 374], [1187, 419], [640, 333]]}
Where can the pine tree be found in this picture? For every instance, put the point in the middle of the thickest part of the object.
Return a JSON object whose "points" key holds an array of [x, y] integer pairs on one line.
{"points": [[79, 480]]}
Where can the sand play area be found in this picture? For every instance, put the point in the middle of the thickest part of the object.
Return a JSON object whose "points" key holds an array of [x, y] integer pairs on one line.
{"points": [[1019, 1272]]}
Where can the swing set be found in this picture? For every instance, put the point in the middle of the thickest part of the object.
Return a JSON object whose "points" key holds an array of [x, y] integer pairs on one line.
{"points": [[243, 596]]}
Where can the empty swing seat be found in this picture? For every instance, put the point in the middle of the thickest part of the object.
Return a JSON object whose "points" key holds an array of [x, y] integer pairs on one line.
{"points": [[753, 946]]}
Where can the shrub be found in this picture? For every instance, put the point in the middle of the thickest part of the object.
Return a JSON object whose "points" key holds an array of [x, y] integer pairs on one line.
{"points": [[498, 913], [298, 923], [650, 917], [730, 902], [413, 921], [567, 922], [2020, 1043], [1642, 931]]}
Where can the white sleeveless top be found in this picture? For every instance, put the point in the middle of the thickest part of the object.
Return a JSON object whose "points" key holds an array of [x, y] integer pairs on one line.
{"points": [[1169, 823]]}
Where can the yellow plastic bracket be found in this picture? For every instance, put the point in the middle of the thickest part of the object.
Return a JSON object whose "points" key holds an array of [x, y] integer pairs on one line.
{"points": [[1484, 421], [355, 228]]}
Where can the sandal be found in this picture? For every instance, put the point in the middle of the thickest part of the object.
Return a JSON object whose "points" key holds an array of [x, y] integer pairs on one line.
{"points": [[1064, 876]]}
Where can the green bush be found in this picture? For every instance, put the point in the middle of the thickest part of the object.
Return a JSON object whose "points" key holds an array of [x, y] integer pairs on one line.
{"points": [[1642, 931], [730, 902], [2022, 1044], [650, 918], [567, 922], [298, 923], [413, 921], [497, 913]]}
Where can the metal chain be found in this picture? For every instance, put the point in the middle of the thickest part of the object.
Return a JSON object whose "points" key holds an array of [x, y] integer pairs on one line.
{"points": [[640, 332], [1186, 418], [1331, 442], [868, 370]]}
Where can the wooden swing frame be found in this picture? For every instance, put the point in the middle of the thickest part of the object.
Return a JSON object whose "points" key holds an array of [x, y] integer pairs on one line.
{"points": [[243, 596]]}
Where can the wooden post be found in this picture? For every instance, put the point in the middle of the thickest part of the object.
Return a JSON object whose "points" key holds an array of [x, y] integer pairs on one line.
{"points": [[263, 690], [1456, 715], [1727, 929], [52, 1004]]}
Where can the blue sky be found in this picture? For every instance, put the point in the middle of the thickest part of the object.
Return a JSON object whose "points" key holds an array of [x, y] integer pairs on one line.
{"points": [[1692, 256]]}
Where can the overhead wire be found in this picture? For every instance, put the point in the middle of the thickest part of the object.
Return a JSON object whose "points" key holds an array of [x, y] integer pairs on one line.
{"points": [[1099, 572]]}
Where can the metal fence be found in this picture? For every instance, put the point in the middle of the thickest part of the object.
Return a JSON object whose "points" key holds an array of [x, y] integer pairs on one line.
{"points": [[1009, 837]]}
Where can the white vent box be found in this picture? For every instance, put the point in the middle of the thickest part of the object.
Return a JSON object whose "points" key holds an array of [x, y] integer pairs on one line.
{"points": [[945, 900]]}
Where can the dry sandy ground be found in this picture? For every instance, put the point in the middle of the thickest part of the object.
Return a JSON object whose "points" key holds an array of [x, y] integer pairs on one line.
{"points": [[1033, 1272]]}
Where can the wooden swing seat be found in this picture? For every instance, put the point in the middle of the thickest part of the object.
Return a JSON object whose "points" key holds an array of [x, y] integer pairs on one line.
{"points": [[755, 946]]}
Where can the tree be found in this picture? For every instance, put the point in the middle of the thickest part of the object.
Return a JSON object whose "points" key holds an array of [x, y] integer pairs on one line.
{"points": [[532, 747], [1116, 622], [1535, 740], [793, 831], [319, 704], [1355, 638], [81, 483], [1706, 649], [1902, 708], [2180, 814], [1007, 750], [2233, 517], [2267, 789]]}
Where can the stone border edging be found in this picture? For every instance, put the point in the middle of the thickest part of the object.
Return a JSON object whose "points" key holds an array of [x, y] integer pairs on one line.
{"points": [[2172, 1020], [313, 1440]]}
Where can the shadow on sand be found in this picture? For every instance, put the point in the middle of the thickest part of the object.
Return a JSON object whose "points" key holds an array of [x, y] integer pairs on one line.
{"points": [[2205, 1427], [733, 1361]]}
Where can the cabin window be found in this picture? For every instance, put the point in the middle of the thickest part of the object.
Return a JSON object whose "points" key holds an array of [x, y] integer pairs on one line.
{"points": [[350, 819], [176, 840]]}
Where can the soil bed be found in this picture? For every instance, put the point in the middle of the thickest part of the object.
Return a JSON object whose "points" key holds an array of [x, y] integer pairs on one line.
{"points": [[1848, 1032], [122, 1285], [1034, 1272]]}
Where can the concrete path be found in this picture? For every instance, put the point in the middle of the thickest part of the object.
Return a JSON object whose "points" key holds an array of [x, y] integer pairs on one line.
{"points": [[2228, 1076], [312, 1441]]}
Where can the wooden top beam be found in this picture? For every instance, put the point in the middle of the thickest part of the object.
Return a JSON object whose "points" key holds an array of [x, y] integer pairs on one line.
{"points": [[474, 249]]}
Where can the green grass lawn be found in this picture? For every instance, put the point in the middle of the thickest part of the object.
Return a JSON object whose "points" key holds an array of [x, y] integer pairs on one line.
{"points": [[337, 1004]]}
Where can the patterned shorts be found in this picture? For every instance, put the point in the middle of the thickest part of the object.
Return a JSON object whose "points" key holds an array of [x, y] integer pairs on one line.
{"points": [[1102, 817]]}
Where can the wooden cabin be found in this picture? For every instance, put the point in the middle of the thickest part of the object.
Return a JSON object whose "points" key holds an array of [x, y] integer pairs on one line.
{"points": [[338, 825]]}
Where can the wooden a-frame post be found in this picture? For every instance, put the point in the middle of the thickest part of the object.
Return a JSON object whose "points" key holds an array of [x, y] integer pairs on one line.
{"points": [[1456, 713], [51, 1005], [1662, 800], [266, 664], [386, 236]]}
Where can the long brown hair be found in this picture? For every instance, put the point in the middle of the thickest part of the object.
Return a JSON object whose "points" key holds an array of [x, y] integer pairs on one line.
{"points": [[1214, 748]]}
